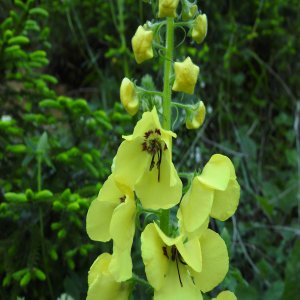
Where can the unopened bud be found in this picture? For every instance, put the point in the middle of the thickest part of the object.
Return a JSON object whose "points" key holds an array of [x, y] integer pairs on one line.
{"points": [[129, 97], [195, 119], [167, 8], [186, 75], [142, 44], [199, 30], [188, 10]]}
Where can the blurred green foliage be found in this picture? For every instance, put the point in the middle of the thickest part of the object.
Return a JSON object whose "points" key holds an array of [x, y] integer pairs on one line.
{"points": [[61, 63]]}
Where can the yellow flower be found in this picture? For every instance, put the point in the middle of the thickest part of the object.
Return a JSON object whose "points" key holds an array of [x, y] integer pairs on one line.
{"points": [[142, 44], [112, 216], [186, 75], [129, 97], [167, 8], [199, 30], [219, 174], [196, 119], [166, 264], [215, 192], [226, 295], [178, 268], [102, 284], [144, 163]]}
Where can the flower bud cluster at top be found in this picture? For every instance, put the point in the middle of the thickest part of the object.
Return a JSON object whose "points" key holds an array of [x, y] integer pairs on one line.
{"points": [[187, 259]]}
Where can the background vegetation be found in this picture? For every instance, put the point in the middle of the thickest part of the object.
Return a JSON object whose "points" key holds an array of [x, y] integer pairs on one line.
{"points": [[61, 64]]}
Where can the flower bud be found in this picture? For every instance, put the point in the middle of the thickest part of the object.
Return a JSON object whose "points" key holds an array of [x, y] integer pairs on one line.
{"points": [[129, 97], [167, 8], [186, 75], [195, 119], [188, 10], [199, 30], [142, 44]]}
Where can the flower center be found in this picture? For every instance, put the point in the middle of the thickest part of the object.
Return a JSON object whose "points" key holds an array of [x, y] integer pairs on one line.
{"points": [[175, 256], [154, 145], [122, 199]]}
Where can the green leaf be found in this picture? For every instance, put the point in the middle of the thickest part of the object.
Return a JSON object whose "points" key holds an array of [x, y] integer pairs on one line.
{"points": [[39, 274], [15, 197], [20, 148], [39, 11], [18, 40], [25, 280], [42, 145]]}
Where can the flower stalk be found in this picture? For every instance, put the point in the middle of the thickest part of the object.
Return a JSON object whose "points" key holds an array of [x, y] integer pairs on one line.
{"points": [[167, 99]]}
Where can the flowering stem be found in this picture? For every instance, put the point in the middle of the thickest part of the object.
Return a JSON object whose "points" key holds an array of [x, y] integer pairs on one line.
{"points": [[167, 94]]}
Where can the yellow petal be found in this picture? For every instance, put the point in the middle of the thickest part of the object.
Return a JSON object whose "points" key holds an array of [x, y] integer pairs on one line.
{"points": [[217, 172], [122, 224], [169, 241], [149, 121], [172, 288], [156, 263], [225, 202], [121, 264], [196, 205], [130, 162], [98, 220], [164, 191], [101, 283], [215, 261], [191, 253], [226, 295], [110, 191]]}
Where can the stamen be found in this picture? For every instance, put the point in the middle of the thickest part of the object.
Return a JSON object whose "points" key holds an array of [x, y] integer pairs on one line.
{"points": [[154, 146], [165, 252], [122, 199]]}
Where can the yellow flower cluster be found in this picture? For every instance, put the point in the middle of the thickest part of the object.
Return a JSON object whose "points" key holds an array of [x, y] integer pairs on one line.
{"points": [[193, 259]]}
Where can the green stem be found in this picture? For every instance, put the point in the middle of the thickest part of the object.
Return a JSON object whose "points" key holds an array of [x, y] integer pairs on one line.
{"points": [[184, 106], [140, 281], [167, 97], [39, 173]]}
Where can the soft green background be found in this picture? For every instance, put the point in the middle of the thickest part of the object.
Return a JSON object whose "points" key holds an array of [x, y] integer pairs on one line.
{"points": [[61, 64]]}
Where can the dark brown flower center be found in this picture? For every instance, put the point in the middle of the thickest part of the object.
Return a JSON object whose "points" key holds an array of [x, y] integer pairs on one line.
{"points": [[154, 145], [175, 256]]}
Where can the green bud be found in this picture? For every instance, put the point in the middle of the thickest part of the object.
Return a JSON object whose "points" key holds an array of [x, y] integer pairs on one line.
{"points": [[62, 233]]}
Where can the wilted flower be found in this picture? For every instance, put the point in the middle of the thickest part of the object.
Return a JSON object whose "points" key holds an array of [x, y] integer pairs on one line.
{"points": [[129, 97], [186, 75], [142, 44], [144, 163]]}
